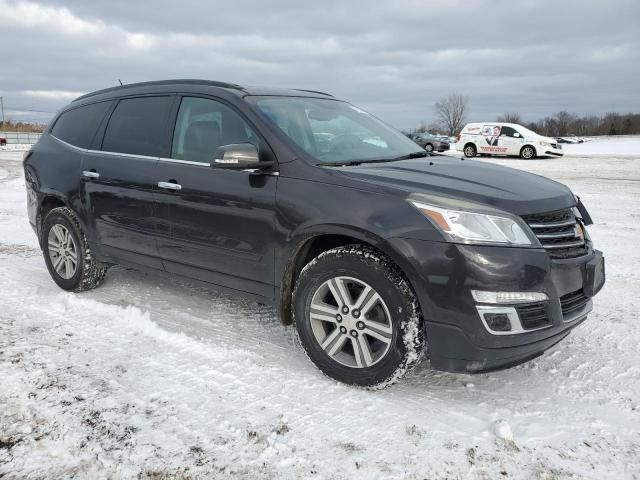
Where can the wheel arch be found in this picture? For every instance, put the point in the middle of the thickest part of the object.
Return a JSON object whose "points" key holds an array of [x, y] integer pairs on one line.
{"points": [[49, 200], [47, 203], [312, 243]]}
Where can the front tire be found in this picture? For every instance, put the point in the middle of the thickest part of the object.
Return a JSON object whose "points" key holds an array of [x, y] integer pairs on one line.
{"points": [[67, 254], [528, 153], [357, 318], [428, 147]]}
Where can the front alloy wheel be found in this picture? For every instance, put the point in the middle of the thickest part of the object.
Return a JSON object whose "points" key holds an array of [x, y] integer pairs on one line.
{"points": [[357, 317], [351, 322], [528, 153], [428, 147]]}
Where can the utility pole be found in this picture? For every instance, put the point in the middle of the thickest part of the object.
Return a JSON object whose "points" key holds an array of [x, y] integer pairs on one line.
{"points": [[2, 110]]}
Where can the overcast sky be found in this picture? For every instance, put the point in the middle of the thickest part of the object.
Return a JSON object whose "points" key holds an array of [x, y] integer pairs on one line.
{"points": [[393, 58]]}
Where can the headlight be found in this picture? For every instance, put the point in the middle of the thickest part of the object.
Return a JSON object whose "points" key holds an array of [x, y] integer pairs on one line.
{"points": [[545, 144], [470, 227]]}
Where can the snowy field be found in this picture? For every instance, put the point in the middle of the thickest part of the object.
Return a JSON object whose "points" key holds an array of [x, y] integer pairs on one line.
{"points": [[620, 145], [156, 379]]}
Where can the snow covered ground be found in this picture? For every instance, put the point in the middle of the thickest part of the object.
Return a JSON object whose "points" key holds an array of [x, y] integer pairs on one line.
{"points": [[153, 378], [620, 145]]}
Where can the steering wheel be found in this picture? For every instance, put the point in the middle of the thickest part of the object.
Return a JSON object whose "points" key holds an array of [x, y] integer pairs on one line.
{"points": [[344, 142]]}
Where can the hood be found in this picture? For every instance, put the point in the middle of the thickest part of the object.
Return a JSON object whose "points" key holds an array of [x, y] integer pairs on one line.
{"points": [[504, 188]]}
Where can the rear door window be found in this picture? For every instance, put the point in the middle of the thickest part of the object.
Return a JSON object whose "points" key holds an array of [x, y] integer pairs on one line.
{"points": [[138, 126], [79, 125]]}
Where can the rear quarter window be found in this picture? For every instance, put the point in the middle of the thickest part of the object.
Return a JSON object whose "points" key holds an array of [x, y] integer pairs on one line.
{"points": [[138, 126], [79, 125]]}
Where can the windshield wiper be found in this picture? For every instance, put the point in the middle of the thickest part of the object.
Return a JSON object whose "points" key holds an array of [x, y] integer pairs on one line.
{"points": [[340, 164], [378, 160], [420, 154]]}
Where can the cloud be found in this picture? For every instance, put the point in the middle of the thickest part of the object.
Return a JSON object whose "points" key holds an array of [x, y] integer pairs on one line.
{"points": [[52, 94], [395, 59]]}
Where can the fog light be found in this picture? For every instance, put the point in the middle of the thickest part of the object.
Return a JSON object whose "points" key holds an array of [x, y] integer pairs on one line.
{"points": [[500, 298], [498, 322]]}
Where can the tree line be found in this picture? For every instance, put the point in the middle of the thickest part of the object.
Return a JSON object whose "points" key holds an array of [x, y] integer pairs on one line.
{"points": [[451, 116]]}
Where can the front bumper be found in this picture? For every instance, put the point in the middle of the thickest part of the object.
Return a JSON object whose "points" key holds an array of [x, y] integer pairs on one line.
{"points": [[443, 275], [556, 152]]}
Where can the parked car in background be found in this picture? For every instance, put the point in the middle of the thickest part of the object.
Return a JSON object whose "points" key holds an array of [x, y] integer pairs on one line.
{"points": [[570, 140], [3, 141], [505, 139], [375, 255], [431, 142]]}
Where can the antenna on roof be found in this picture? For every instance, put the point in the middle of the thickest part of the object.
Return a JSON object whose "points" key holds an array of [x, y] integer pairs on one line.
{"points": [[120, 82]]}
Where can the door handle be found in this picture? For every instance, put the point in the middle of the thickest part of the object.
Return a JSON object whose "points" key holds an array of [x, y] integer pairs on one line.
{"points": [[90, 174], [170, 185]]}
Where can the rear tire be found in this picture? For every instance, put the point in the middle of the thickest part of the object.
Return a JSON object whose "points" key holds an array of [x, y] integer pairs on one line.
{"points": [[470, 150], [428, 147], [528, 152], [67, 254], [370, 348]]}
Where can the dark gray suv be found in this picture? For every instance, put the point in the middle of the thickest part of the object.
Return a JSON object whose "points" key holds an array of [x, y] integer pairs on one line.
{"points": [[376, 254]]}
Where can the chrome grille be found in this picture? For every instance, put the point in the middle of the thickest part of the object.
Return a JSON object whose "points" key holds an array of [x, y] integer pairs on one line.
{"points": [[559, 232]]}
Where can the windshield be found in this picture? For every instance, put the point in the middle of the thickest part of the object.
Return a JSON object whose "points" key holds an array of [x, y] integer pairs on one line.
{"points": [[526, 131], [334, 132]]}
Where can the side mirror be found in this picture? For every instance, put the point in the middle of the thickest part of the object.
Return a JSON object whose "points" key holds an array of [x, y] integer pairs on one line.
{"points": [[516, 135], [239, 156]]}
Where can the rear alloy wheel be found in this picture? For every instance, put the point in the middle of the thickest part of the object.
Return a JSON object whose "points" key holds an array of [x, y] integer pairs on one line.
{"points": [[357, 318], [428, 147], [63, 252], [66, 251], [470, 151], [528, 153]]}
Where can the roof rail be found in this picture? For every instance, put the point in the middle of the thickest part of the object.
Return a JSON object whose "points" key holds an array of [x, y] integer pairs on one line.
{"points": [[188, 81], [312, 91]]}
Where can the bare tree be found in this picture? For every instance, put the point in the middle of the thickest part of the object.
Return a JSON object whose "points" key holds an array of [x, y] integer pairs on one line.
{"points": [[510, 117], [450, 112], [564, 121], [422, 128]]}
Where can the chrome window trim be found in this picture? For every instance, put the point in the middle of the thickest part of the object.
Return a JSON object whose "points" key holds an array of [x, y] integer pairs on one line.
{"points": [[146, 157], [186, 162], [103, 152]]}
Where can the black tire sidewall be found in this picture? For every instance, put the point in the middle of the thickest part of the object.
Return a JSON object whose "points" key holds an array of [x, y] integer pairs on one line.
{"points": [[55, 218], [378, 276]]}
